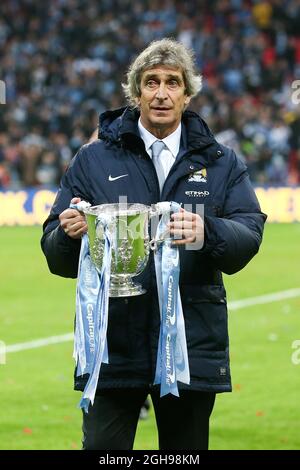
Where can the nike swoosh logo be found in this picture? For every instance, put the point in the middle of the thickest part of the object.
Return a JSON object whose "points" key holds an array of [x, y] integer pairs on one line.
{"points": [[114, 178]]}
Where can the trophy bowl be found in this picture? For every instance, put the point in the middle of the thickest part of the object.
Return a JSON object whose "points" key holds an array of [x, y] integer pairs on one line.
{"points": [[128, 225]]}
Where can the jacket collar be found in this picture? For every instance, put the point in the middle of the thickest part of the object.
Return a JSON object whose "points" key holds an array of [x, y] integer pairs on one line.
{"points": [[121, 126]]}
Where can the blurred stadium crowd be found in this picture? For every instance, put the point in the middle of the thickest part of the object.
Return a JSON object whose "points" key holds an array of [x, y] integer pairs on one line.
{"points": [[63, 61]]}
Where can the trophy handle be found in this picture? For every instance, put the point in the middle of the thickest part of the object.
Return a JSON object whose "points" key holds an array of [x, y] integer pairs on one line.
{"points": [[80, 206], [161, 209]]}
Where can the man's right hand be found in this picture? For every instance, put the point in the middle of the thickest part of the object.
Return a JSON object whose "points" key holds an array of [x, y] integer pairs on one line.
{"points": [[73, 222]]}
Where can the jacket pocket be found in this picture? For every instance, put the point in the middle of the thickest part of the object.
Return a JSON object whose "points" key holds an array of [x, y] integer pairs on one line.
{"points": [[205, 313]]}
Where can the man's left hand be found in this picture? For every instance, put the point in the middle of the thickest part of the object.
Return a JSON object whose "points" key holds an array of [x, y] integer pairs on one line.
{"points": [[186, 227]]}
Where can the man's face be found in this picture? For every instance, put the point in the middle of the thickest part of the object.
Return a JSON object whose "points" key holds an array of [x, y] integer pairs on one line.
{"points": [[162, 99]]}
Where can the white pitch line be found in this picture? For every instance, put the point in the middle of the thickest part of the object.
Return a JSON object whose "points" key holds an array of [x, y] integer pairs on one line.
{"points": [[234, 305], [38, 343], [264, 299]]}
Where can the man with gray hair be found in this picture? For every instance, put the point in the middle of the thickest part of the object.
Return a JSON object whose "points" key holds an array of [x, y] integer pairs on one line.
{"points": [[156, 150]]}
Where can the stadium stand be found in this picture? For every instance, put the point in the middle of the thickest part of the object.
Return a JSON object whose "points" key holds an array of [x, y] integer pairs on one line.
{"points": [[63, 61]]}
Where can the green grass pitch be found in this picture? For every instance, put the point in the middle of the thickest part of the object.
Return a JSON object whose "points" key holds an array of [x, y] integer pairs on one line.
{"points": [[38, 404]]}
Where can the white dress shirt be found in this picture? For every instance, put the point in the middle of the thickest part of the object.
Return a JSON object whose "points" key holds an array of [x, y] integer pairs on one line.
{"points": [[172, 142]]}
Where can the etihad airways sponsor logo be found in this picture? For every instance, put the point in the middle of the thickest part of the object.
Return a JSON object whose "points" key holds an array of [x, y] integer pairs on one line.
{"points": [[196, 193]]}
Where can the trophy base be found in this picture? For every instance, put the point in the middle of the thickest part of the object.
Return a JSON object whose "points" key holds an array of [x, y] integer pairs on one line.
{"points": [[123, 286]]}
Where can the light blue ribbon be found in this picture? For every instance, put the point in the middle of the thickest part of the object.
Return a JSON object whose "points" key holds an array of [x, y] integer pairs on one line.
{"points": [[172, 358], [87, 289], [92, 298]]}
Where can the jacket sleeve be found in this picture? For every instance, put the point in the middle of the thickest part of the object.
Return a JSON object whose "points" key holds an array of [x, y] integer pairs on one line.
{"points": [[234, 239], [61, 251]]}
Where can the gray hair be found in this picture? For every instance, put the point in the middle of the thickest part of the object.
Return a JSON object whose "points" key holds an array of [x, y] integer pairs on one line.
{"points": [[163, 52]]}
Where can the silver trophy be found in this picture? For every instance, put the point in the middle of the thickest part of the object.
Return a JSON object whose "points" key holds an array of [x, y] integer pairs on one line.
{"points": [[128, 225]]}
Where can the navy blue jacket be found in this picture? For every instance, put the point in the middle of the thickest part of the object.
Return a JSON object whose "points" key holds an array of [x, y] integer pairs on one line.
{"points": [[233, 233]]}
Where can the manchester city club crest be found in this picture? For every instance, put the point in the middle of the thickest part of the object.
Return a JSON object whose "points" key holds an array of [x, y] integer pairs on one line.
{"points": [[199, 176]]}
